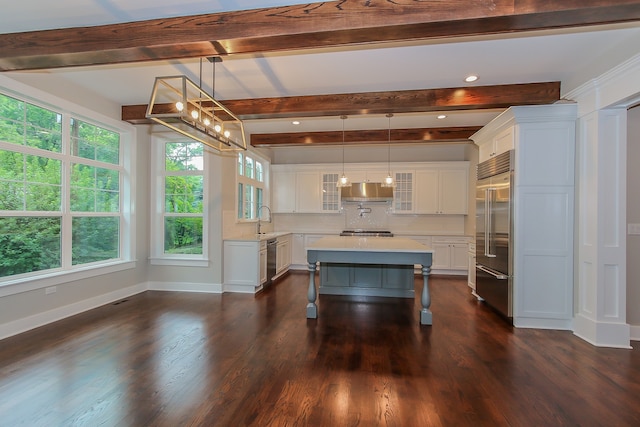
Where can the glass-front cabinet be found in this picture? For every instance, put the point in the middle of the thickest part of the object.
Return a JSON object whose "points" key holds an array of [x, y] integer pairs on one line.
{"points": [[330, 192]]}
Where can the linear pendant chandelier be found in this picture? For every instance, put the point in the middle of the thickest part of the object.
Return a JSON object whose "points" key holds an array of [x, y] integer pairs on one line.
{"points": [[181, 105]]}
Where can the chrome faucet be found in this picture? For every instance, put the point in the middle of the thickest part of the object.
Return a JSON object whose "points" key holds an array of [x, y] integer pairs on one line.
{"points": [[258, 215]]}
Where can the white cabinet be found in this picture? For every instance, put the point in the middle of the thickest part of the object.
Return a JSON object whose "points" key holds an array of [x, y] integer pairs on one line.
{"points": [[263, 262], [307, 193], [283, 254], [243, 265], [471, 268], [498, 144], [283, 191], [442, 190], [298, 252], [304, 191], [330, 192], [366, 175], [544, 142], [404, 193], [450, 253]]}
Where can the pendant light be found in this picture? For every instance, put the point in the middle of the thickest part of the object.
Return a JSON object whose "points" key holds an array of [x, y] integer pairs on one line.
{"points": [[343, 181], [389, 181]]}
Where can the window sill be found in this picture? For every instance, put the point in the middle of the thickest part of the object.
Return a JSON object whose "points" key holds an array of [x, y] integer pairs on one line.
{"points": [[180, 262], [31, 283]]}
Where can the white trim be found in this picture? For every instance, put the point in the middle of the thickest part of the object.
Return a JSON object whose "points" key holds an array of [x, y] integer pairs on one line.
{"points": [[209, 288], [31, 283], [540, 323], [25, 324], [602, 334], [181, 262], [241, 289]]}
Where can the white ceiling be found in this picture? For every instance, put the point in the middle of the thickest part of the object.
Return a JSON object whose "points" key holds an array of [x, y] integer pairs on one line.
{"points": [[571, 57]]}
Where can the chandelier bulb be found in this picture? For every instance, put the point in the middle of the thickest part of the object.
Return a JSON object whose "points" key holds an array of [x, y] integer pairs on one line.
{"points": [[217, 128], [195, 114], [227, 134], [179, 106]]}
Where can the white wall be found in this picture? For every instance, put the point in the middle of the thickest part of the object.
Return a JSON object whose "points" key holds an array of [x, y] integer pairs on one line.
{"points": [[633, 217]]}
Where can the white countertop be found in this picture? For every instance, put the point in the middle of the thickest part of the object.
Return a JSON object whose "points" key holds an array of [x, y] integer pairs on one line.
{"points": [[258, 237], [371, 244]]}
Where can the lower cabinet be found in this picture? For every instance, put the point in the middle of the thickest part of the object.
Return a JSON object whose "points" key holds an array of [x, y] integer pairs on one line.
{"points": [[450, 253], [245, 265], [366, 280], [283, 254], [471, 275]]}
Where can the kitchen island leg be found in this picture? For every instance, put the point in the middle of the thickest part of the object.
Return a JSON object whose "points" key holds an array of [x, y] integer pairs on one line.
{"points": [[426, 317], [312, 308]]}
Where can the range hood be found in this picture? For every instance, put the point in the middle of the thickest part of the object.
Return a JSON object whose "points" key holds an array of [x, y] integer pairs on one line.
{"points": [[366, 192]]}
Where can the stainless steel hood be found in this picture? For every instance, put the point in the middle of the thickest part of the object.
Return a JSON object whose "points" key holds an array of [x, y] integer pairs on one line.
{"points": [[366, 192]]}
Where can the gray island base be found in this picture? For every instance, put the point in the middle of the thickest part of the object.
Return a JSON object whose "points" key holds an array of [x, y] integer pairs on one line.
{"points": [[347, 259]]}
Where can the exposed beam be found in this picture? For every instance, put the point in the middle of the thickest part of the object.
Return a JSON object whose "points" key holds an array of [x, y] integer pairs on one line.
{"points": [[408, 101], [315, 25], [357, 137]]}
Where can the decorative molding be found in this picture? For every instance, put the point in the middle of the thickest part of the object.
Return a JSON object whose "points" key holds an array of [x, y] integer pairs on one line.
{"points": [[601, 334], [618, 87]]}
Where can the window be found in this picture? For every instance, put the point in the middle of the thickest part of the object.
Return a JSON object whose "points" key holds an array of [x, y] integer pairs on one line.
{"points": [[61, 191], [179, 227], [251, 185]]}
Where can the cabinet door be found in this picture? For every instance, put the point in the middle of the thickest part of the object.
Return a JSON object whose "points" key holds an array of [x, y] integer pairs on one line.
{"points": [[471, 270], [485, 151], [504, 141], [441, 256], [453, 191], [459, 256], [330, 193], [283, 197], [308, 192], [376, 175], [298, 252], [263, 266], [427, 191], [403, 195]]}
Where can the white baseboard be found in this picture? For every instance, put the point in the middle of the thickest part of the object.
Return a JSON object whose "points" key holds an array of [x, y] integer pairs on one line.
{"points": [[210, 288], [602, 334], [25, 324]]}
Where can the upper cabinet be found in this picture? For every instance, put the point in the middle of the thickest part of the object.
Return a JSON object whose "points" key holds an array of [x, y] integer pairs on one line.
{"points": [[498, 144], [434, 188], [296, 190], [367, 175], [442, 190]]}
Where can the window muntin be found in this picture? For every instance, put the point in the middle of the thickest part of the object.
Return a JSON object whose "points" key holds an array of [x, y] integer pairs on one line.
{"points": [[52, 174], [251, 176]]}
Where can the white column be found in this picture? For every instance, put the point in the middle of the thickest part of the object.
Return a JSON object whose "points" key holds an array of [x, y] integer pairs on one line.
{"points": [[600, 312]]}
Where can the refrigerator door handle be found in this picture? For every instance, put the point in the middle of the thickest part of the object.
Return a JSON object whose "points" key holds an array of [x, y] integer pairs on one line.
{"points": [[498, 276], [488, 222]]}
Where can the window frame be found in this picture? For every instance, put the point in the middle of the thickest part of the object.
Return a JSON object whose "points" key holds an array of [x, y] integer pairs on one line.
{"points": [[242, 179], [158, 175], [24, 282]]}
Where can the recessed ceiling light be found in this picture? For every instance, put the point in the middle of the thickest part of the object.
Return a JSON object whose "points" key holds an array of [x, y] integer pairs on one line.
{"points": [[295, 122], [471, 78], [442, 116]]}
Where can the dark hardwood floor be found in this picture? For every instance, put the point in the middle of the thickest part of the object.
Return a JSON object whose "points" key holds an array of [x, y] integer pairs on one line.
{"points": [[178, 359]]}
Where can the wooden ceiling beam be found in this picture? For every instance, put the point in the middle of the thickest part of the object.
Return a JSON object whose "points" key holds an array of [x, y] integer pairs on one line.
{"points": [[407, 101], [304, 26], [360, 137]]}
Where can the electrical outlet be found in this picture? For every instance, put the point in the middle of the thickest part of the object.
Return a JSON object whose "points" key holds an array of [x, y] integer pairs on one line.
{"points": [[50, 290], [633, 228]]}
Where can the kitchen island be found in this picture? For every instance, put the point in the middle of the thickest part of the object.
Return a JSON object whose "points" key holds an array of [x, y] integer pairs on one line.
{"points": [[365, 252]]}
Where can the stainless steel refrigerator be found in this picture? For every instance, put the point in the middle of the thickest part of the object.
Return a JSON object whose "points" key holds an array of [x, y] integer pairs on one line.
{"points": [[494, 233]]}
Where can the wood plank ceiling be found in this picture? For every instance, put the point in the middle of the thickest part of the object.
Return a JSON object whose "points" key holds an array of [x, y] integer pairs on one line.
{"points": [[322, 25]]}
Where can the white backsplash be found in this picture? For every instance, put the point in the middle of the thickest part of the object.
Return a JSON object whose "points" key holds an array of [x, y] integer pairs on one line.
{"points": [[367, 216]]}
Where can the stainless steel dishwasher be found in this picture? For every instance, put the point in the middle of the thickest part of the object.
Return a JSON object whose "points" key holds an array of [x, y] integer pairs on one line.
{"points": [[271, 259]]}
